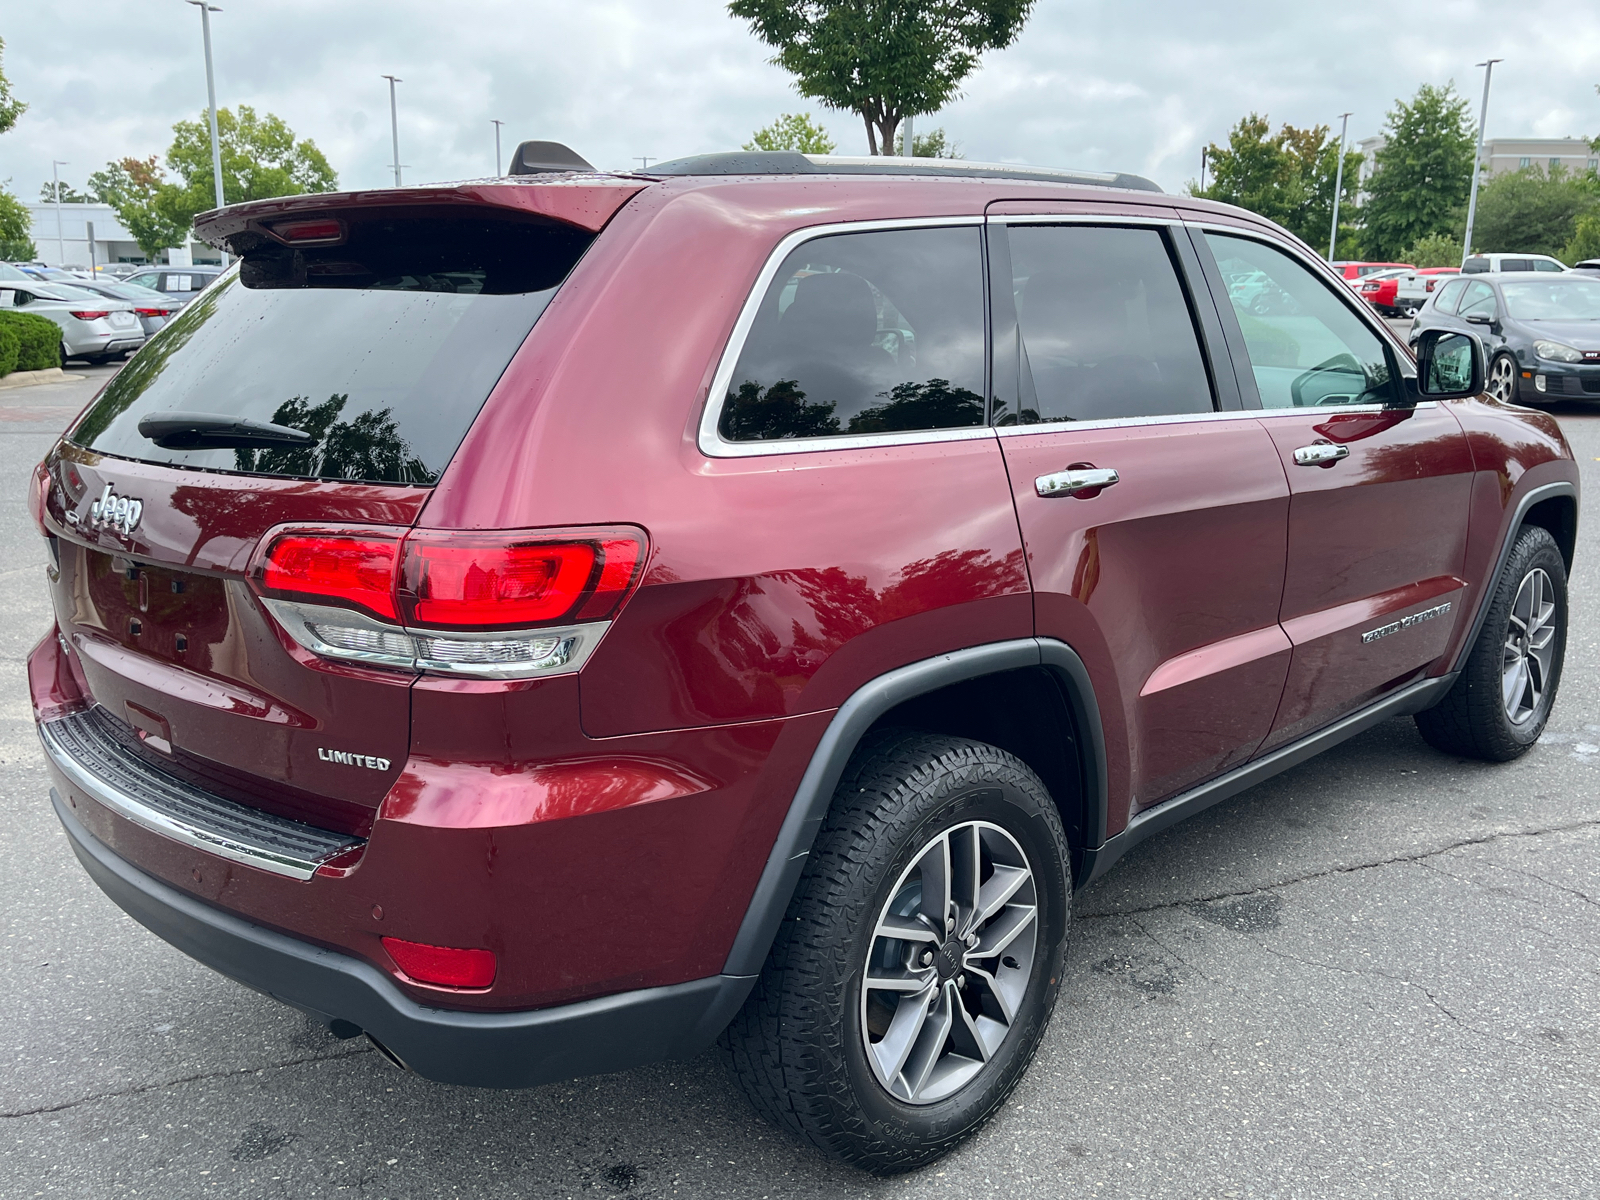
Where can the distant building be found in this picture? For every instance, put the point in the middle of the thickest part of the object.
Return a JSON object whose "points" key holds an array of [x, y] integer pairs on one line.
{"points": [[70, 245], [1505, 154]]}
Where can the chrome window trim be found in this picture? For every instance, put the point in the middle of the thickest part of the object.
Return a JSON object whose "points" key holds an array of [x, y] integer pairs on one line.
{"points": [[1078, 219], [1363, 310], [709, 439], [1320, 410]]}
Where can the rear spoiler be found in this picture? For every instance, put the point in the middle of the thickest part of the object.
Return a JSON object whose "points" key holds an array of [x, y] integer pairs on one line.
{"points": [[581, 201]]}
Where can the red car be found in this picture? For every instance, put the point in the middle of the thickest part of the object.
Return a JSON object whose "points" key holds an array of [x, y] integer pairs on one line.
{"points": [[549, 624], [1360, 270]]}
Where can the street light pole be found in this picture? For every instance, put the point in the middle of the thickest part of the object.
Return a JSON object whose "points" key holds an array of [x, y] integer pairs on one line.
{"points": [[1338, 185], [496, 125], [55, 178], [394, 126], [1477, 158], [211, 97], [1204, 150]]}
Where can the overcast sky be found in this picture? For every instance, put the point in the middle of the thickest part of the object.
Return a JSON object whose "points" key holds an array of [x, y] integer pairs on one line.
{"points": [[1133, 85]]}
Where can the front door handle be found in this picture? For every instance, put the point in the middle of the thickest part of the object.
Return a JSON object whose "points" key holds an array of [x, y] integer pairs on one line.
{"points": [[1320, 454], [1081, 481]]}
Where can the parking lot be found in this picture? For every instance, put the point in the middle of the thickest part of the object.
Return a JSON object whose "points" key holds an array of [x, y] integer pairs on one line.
{"points": [[1376, 975]]}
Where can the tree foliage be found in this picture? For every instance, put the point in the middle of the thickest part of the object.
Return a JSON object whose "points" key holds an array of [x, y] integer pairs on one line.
{"points": [[792, 131], [1423, 173], [16, 229], [69, 194], [133, 186], [1585, 241], [10, 107], [1532, 211], [1435, 250], [936, 143], [261, 158], [882, 59], [1287, 177]]}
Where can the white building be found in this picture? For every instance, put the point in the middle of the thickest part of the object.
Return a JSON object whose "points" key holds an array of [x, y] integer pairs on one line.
{"points": [[80, 235]]}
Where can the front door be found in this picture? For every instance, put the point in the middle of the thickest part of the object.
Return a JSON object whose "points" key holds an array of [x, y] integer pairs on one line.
{"points": [[1167, 581], [1378, 520]]}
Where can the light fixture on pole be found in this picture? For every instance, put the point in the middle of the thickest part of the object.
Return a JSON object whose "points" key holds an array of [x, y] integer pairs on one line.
{"points": [[1204, 151], [1477, 158], [55, 177], [394, 126], [496, 125], [211, 97], [1338, 185]]}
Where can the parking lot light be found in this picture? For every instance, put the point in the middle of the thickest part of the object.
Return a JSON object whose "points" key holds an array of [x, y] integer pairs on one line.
{"points": [[1477, 159], [211, 97]]}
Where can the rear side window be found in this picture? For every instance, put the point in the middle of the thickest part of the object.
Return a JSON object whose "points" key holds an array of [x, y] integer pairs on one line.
{"points": [[382, 348], [1545, 264], [863, 333], [1450, 296], [1516, 264], [1104, 327]]}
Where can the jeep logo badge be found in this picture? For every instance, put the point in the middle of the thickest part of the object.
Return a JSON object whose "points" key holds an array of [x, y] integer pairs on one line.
{"points": [[121, 513]]}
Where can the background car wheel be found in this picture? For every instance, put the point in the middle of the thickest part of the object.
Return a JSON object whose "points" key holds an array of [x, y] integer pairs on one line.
{"points": [[1500, 703], [1502, 381], [918, 964]]}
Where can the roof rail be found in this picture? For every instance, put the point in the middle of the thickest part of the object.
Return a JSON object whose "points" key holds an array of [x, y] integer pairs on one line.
{"points": [[788, 162]]}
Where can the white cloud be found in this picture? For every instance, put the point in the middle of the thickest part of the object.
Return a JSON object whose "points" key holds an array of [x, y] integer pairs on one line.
{"points": [[1138, 85]]}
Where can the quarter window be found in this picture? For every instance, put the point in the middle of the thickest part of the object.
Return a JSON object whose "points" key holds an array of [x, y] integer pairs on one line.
{"points": [[863, 333], [1104, 329], [1307, 346]]}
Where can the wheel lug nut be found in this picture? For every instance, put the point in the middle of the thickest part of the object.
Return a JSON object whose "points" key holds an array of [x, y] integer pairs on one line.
{"points": [[961, 981], [927, 958], [950, 923]]}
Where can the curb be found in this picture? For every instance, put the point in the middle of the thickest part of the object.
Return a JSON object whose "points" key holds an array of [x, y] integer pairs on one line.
{"points": [[32, 378]]}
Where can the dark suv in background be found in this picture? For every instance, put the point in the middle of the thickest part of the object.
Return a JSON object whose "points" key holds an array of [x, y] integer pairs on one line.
{"points": [[549, 623]]}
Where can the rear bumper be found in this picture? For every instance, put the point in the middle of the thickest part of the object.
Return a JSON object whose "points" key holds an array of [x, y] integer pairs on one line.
{"points": [[498, 1049]]}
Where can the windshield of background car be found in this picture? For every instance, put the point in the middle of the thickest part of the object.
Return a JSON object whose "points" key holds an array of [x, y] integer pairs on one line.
{"points": [[1563, 299], [383, 347]]}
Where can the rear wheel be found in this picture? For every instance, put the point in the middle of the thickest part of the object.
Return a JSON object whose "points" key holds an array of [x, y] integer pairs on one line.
{"points": [[1500, 703], [1502, 382], [919, 962]]}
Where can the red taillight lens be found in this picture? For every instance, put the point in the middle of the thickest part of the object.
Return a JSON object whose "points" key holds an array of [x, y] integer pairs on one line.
{"points": [[514, 581], [443, 966], [90, 314], [353, 569], [152, 312], [309, 231]]}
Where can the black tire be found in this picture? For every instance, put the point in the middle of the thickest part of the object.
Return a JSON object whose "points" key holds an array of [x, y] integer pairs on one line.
{"points": [[1503, 362], [1473, 720], [797, 1047]]}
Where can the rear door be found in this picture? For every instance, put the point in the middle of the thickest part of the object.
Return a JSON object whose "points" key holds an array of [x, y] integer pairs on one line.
{"points": [[1167, 580], [1378, 521]]}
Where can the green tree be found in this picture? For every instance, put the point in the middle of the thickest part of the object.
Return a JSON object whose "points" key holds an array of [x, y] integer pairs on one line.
{"points": [[10, 107], [69, 194], [261, 158], [1287, 177], [1585, 241], [1532, 211], [1423, 173], [16, 226], [1435, 250], [934, 144], [134, 188], [882, 59], [792, 131]]}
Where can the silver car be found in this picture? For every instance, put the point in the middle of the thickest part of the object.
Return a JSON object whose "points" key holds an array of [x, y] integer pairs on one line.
{"points": [[92, 326], [181, 284], [151, 307]]}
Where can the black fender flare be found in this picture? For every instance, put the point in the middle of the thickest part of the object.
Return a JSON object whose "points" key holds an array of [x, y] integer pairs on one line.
{"points": [[850, 723]]}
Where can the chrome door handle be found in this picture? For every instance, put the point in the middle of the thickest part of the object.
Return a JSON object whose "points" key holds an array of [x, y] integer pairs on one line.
{"points": [[1322, 454], [1074, 480]]}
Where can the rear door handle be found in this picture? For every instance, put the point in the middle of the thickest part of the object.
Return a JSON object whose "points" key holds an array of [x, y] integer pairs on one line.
{"points": [[1320, 454], [1076, 481]]}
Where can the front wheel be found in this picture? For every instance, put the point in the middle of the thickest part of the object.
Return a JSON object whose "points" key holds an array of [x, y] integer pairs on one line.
{"points": [[1502, 382], [1498, 706], [919, 961]]}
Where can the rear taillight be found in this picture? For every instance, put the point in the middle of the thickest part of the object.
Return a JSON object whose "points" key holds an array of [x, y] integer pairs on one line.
{"points": [[442, 966], [90, 314], [38, 488], [153, 312], [494, 605]]}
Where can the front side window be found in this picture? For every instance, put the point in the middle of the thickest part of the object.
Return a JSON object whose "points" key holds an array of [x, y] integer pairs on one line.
{"points": [[863, 333], [1104, 328], [1478, 299], [1450, 296], [1309, 348]]}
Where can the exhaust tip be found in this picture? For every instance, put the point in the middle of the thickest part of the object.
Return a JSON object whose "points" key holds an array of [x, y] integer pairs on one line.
{"points": [[388, 1054]]}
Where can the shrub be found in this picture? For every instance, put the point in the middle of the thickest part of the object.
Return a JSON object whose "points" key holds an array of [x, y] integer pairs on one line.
{"points": [[39, 340], [1585, 241], [10, 348], [1435, 250]]}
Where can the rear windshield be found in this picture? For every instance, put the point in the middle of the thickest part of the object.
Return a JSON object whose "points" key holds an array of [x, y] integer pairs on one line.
{"points": [[383, 348]]}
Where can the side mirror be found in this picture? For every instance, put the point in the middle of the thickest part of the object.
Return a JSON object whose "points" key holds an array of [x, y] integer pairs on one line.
{"points": [[1449, 365], [1479, 318]]}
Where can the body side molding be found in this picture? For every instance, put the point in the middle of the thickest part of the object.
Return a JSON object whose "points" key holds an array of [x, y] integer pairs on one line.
{"points": [[855, 716]]}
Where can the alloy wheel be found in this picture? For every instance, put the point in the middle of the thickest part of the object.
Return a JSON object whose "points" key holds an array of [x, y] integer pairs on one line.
{"points": [[949, 963], [1502, 379], [1530, 643]]}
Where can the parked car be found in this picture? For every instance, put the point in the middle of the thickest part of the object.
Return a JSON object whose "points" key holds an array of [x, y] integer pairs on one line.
{"points": [[118, 270], [1540, 331], [1588, 264], [1360, 270], [762, 644], [1381, 289], [153, 308], [1480, 264], [93, 327], [181, 284]]}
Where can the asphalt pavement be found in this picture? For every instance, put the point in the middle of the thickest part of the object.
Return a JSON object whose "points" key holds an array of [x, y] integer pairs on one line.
{"points": [[1375, 975]]}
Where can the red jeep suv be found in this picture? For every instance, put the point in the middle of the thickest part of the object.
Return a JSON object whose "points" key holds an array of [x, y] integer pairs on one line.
{"points": [[550, 623]]}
